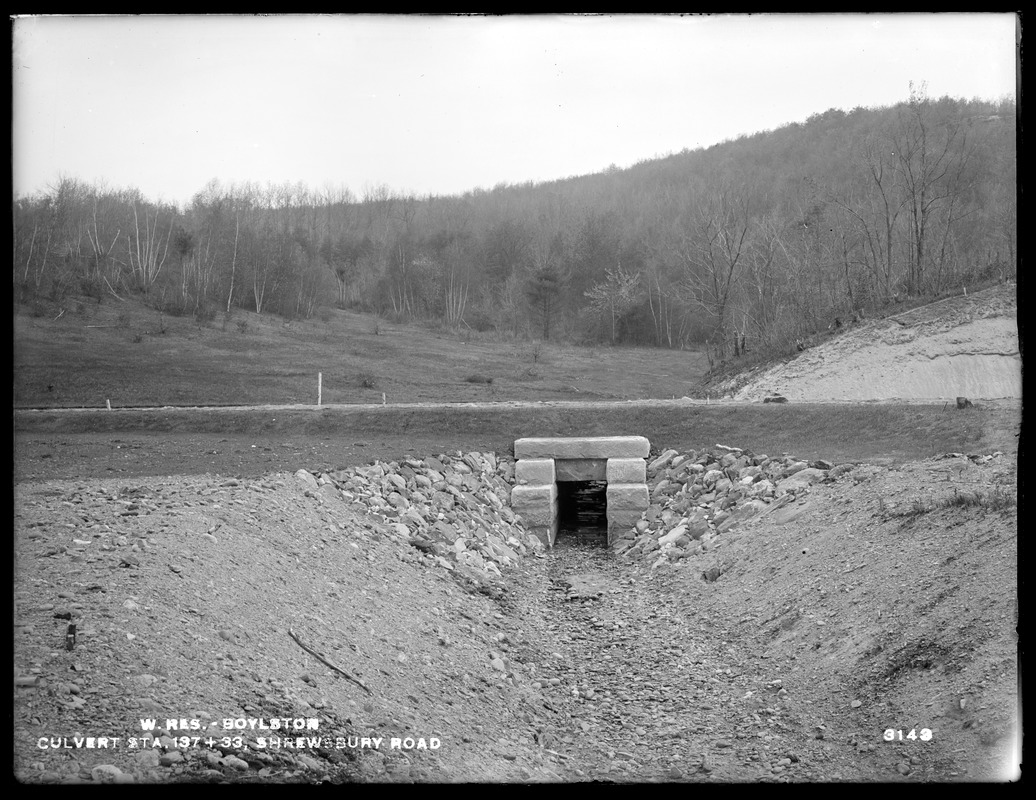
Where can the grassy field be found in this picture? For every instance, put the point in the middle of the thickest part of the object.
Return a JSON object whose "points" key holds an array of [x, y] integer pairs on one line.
{"points": [[133, 356]]}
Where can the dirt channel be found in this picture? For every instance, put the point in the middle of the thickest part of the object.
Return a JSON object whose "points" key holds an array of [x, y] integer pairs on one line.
{"points": [[867, 632]]}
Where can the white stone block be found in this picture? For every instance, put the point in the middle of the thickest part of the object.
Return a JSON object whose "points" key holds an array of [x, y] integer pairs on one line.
{"points": [[536, 505], [524, 496], [581, 469], [627, 496], [534, 471], [620, 523], [626, 470]]}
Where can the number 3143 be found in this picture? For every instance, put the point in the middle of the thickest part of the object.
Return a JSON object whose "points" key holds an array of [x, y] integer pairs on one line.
{"points": [[897, 735]]}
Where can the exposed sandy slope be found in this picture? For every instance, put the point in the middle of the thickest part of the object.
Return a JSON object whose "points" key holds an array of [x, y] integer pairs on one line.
{"points": [[961, 346]]}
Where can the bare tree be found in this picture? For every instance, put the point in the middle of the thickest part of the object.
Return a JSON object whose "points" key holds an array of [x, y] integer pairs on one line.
{"points": [[712, 253], [875, 211], [451, 252], [98, 229], [147, 252], [932, 161], [342, 256], [615, 295], [542, 291], [766, 277], [233, 260], [663, 302]]}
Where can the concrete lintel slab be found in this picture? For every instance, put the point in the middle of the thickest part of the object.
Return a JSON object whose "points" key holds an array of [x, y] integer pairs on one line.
{"points": [[583, 447], [581, 469]]}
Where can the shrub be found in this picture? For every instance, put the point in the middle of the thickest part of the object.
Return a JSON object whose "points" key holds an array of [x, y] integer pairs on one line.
{"points": [[23, 291], [367, 380], [38, 309], [531, 352], [997, 500], [481, 320], [58, 291], [242, 326], [90, 286], [165, 303], [172, 308], [204, 314]]}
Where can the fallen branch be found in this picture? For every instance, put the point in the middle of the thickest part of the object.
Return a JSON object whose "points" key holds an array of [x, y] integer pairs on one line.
{"points": [[326, 662]]}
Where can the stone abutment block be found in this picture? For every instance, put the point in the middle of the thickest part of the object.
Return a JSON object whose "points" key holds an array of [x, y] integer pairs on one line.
{"points": [[535, 472], [538, 508]]}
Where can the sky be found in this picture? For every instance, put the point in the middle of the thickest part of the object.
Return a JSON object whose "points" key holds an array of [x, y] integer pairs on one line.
{"points": [[447, 104]]}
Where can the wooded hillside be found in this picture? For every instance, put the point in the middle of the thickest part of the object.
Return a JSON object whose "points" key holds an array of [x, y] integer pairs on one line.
{"points": [[753, 243]]}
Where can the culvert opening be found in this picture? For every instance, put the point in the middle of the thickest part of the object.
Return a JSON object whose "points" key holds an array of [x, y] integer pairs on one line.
{"points": [[583, 513]]}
